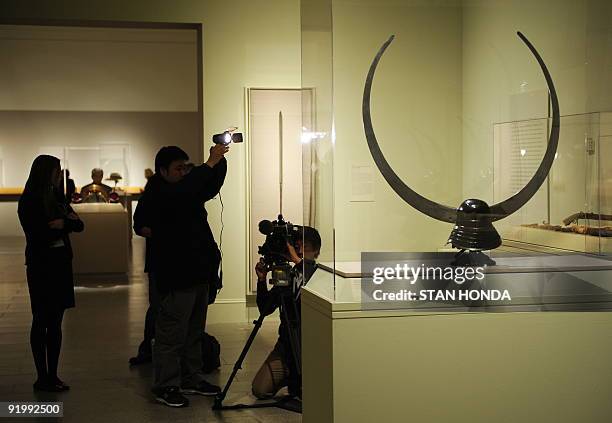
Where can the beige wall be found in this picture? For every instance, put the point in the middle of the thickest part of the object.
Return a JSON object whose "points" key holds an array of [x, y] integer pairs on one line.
{"points": [[245, 43], [98, 69]]}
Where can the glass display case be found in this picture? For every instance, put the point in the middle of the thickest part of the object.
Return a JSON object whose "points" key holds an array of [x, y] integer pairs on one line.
{"points": [[453, 72], [113, 159], [317, 123], [573, 209]]}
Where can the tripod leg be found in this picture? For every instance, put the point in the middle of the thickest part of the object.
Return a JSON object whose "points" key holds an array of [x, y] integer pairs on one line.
{"points": [[221, 396], [286, 403]]}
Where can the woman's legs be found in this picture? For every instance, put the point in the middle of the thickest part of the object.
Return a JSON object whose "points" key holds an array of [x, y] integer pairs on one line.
{"points": [[38, 343], [51, 291], [46, 343], [54, 343], [272, 374]]}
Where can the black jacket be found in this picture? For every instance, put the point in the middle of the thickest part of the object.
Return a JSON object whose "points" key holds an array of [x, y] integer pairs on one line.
{"points": [[143, 217], [268, 300], [35, 220], [182, 249]]}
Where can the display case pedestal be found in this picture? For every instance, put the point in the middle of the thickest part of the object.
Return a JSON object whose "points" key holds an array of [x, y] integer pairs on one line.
{"points": [[103, 247], [455, 366]]}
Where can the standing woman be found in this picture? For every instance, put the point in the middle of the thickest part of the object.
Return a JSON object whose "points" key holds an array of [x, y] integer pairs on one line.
{"points": [[47, 221]]}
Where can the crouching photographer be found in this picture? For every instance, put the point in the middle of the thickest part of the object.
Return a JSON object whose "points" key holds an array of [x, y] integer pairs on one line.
{"points": [[282, 366]]}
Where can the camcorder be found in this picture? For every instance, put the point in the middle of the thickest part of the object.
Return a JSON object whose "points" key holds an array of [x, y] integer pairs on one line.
{"points": [[228, 136], [274, 250]]}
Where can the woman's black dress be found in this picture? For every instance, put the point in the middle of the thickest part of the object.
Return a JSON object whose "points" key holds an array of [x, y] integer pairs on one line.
{"points": [[48, 254]]}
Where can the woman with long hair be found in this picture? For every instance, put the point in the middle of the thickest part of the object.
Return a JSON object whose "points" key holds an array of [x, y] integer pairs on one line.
{"points": [[47, 220]]}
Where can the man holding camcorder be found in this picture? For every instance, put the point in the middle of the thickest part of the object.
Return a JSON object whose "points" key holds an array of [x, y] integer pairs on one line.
{"points": [[185, 260], [279, 369]]}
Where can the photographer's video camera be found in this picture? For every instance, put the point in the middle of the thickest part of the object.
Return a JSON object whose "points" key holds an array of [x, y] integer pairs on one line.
{"points": [[274, 250], [228, 136]]}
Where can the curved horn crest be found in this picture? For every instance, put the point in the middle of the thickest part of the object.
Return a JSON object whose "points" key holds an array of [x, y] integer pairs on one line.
{"points": [[422, 204], [439, 211], [518, 200]]}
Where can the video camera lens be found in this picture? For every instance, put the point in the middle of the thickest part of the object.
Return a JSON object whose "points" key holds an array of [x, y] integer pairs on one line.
{"points": [[274, 250], [266, 227]]}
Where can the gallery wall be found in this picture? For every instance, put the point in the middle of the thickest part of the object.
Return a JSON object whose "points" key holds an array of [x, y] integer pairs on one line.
{"points": [[97, 69], [80, 88], [245, 44]]}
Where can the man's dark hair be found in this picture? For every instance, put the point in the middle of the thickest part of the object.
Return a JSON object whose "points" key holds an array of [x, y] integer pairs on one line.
{"points": [[167, 155], [311, 237]]}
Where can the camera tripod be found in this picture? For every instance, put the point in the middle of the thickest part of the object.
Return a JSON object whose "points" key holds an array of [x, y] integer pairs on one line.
{"points": [[284, 295]]}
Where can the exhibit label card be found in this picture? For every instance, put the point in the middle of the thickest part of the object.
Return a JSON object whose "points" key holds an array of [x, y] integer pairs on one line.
{"points": [[362, 184]]}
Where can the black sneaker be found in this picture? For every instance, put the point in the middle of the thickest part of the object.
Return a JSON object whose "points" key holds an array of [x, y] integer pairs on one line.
{"points": [[171, 396], [202, 388]]}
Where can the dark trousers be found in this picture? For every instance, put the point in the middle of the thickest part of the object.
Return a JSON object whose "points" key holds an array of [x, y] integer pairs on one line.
{"points": [[177, 351], [145, 348]]}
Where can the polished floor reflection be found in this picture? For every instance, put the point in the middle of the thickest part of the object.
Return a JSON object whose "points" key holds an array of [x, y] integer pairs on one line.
{"points": [[100, 334]]}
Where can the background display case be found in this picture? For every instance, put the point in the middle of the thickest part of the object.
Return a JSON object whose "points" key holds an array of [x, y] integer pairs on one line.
{"points": [[573, 209], [81, 160], [104, 247]]}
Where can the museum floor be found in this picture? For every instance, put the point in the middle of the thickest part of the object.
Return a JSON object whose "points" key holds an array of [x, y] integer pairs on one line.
{"points": [[100, 334]]}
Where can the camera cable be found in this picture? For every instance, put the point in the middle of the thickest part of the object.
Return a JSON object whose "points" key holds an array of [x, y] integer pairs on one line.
{"points": [[221, 240]]}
